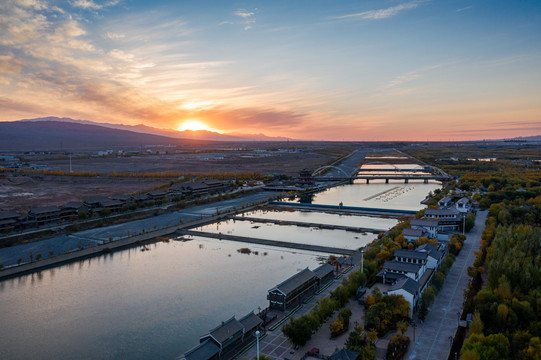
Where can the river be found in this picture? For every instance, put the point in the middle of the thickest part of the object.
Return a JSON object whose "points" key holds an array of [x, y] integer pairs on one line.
{"points": [[155, 304]]}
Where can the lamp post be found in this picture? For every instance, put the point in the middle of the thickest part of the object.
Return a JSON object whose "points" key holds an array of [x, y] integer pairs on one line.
{"points": [[450, 343], [458, 319], [362, 260], [463, 223], [257, 333]]}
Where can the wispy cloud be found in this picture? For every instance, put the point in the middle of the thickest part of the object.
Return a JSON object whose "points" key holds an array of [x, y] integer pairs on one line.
{"points": [[91, 5], [248, 17], [464, 8], [382, 13]]}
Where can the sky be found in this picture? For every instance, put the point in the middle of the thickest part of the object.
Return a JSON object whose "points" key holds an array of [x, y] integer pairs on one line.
{"points": [[309, 69]]}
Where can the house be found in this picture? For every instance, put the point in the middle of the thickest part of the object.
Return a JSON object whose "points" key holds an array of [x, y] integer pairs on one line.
{"points": [[429, 225], [410, 256], [251, 323], [434, 256], [214, 185], [73, 208], [94, 204], [445, 203], [227, 335], [413, 234], [324, 273], [157, 195], [290, 292], [9, 220], [464, 205], [394, 270], [449, 219], [409, 289], [45, 214], [344, 354], [126, 199], [207, 350], [141, 198]]}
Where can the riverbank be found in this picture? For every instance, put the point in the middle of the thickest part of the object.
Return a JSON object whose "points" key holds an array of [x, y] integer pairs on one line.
{"points": [[97, 241]]}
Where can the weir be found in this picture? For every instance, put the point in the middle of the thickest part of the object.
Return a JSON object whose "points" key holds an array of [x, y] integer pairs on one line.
{"points": [[283, 244], [306, 224], [345, 209]]}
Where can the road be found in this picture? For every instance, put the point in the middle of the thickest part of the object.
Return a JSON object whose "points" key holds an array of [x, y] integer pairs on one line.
{"points": [[434, 339]]}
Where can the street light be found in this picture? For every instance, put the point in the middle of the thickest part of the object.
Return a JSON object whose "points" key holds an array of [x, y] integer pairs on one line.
{"points": [[257, 333], [450, 343], [362, 260], [458, 319]]}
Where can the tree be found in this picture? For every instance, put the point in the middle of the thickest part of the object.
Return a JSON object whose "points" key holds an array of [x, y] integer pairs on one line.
{"points": [[476, 326], [491, 347], [428, 296], [298, 331]]}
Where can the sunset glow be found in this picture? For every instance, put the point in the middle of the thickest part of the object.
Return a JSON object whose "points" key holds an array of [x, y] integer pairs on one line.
{"points": [[194, 125], [350, 70]]}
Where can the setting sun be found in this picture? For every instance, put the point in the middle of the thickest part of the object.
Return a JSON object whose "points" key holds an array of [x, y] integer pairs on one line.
{"points": [[193, 125]]}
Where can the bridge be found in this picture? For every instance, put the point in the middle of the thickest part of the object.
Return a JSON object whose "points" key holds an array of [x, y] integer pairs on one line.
{"points": [[390, 172]]}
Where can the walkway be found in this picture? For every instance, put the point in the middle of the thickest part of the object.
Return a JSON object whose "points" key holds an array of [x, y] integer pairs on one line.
{"points": [[435, 337], [276, 346]]}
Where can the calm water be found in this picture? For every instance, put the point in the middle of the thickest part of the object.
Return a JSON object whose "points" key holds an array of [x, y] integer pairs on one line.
{"points": [[155, 304], [138, 305]]}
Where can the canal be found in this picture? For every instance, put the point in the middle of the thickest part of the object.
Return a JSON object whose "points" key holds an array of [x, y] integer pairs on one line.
{"points": [[156, 303]]}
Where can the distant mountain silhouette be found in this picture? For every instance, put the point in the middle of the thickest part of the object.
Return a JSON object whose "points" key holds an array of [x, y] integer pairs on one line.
{"points": [[57, 135], [186, 134]]}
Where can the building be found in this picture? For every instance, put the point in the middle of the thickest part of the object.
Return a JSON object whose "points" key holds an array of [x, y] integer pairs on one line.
{"points": [[251, 323], [291, 291], [449, 219], [45, 214], [74, 208], [227, 335], [324, 273], [434, 256], [464, 205], [9, 221], [207, 350], [157, 195], [429, 225], [409, 289], [410, 256], [413, 234], [445, 203], [394, 270]]}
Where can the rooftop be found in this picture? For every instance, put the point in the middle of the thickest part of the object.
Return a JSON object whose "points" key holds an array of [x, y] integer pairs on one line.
{"points": [[411, 254], [400, 266], [295, 281], [226, 330], [204, 351], [250, 321], [406, 284], [413, 232], [323, 270], [424, 222]]}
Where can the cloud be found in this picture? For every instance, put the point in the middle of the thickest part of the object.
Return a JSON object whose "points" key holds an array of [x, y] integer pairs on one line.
{"points": [[114, 36], [91, 5], [247, 16], [382, 13], [464, 8]]}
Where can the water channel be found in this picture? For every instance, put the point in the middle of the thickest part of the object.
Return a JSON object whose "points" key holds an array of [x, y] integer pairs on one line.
{"points": [[155, 304]]}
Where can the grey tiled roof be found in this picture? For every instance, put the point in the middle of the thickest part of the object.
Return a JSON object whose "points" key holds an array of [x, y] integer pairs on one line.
{"points": [[250, 321], [413, 232], [431, 250], [442, 212], [406, 284], [295, 281], [412, 254], [44, 210], [223, 332], [323, 270], [463, 201], [423, 222], [204, 351], [400, 266]]}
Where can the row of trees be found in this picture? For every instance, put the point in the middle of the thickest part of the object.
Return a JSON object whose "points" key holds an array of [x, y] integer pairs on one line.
{"points": [[507, 310]]}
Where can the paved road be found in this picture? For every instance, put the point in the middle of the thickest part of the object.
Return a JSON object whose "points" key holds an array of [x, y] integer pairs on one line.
{"points": [[433, 342]]}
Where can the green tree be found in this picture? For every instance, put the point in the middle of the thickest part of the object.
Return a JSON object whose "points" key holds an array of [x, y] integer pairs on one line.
{"points": [[491, 347]]}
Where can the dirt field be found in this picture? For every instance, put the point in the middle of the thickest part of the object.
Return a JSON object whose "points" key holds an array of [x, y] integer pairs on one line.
{"points": [[271, 162], [23, 192]]}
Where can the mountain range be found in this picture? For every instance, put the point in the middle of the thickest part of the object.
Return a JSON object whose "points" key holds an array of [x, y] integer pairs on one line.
{"points": [[186, 134]]}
